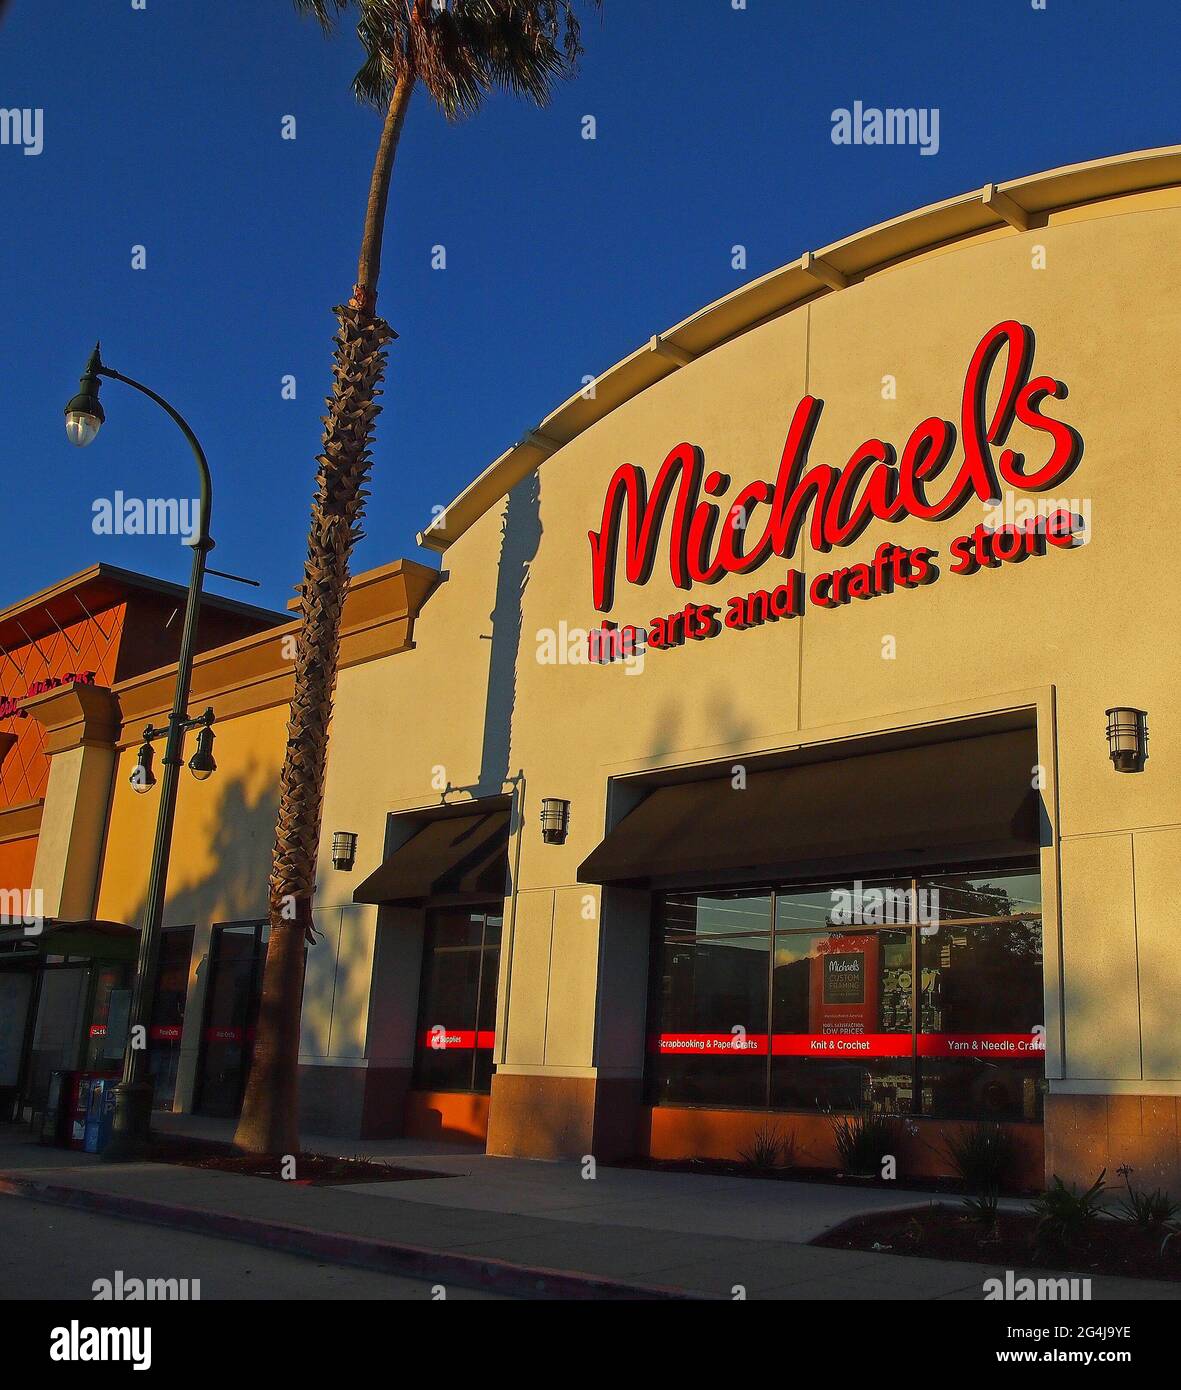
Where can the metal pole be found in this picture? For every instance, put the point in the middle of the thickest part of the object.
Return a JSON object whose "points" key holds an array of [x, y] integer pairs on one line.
{"points": [[133, 1095]]}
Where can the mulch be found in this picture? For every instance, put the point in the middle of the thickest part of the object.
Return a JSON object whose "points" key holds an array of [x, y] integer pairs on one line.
{"points": [[309, 1170], [947, 1233]]}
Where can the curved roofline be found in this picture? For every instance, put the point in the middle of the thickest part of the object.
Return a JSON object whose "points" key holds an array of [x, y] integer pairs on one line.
{"points": [[1023, 204]]}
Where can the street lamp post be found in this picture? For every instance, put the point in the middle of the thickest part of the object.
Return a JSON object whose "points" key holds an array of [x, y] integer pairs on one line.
{"points": [[133, 1094]]}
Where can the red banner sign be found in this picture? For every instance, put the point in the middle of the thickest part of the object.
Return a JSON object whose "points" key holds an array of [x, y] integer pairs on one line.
{"points": [[980, 1046], [457, 1039], [841, 1045], [228, 1035], [710, 1044], [977, 1046]]}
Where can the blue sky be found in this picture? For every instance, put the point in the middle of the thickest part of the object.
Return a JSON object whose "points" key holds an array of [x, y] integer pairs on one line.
{"points": [[162, 129]]}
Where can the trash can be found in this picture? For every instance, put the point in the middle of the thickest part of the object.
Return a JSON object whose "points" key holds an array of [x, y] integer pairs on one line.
{"points": [[53, 1118]]}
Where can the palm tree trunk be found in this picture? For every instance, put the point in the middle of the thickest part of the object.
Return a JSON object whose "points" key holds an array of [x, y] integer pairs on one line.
{"points": [[369, 261], [270, 1109]]}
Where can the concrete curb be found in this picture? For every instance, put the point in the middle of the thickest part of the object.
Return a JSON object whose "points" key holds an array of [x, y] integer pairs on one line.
{"points": [[386, 1257]]}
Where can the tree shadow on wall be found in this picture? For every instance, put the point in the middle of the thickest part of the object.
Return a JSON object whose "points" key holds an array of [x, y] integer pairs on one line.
{"points": [[520, 531], [232, 884]]}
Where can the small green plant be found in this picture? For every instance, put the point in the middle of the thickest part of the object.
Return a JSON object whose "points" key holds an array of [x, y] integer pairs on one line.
{"points": [[983, 1208], [864, 1139], [1064, 1214], [984, 1155], [770, 1148], [1151, 1211]]}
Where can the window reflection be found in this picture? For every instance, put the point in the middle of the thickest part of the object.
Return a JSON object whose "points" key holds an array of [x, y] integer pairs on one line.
{"points": [[910, 996]]}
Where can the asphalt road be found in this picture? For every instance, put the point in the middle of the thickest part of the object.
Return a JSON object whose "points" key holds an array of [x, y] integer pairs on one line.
{"points": [[50, 1252]]}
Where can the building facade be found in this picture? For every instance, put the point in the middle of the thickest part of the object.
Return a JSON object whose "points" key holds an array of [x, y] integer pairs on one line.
{"points": [[214, 922], [63, 653], [801, 627]]}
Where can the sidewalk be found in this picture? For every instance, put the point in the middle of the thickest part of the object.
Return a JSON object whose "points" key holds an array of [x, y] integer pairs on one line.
{"points": [[534, 1228]]}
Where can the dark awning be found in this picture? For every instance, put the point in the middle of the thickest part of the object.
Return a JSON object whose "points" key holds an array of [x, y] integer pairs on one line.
{"points": [[455, 856], [903, 807], [97, 939]]}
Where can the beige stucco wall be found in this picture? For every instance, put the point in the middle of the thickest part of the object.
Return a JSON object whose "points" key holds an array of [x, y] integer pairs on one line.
{"points": [[220, 853], [1068, 634], [69, 845], [218, 874]]}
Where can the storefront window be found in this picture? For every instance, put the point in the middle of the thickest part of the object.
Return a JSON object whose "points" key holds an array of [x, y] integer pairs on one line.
{"points": [[16, 996], [168, 1013], [981, 1038], [106, 1038], [236, 959], [457, 1001], [842, 1021], [913, 996], [61, 1014], [711, 1047]]}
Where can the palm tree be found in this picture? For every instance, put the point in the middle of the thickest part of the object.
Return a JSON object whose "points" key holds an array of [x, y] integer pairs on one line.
{"points": [[457, 51]]}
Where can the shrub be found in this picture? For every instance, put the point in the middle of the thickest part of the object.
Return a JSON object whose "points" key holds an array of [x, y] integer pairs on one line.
{"points": [[983, 1207], [864, 1139], [1151, 1211], [769, 1148], [1065, 1214], [984, 1155]]}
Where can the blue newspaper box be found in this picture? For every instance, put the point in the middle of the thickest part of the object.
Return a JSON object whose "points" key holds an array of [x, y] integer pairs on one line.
{"points": [[100, 1113]]}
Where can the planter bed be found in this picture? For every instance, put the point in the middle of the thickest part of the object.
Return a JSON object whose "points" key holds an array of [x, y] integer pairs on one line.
{"points": [[944, 1232], [312, 1170]]}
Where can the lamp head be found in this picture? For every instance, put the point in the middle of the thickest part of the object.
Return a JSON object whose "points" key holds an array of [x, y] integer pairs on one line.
{"points": [[1127, 738], [84, 414], [142, 778], [201, 764]]}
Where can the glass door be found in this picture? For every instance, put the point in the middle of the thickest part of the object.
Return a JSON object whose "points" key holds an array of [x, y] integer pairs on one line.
{"points": [[457, 1000], [16, 996], [236, 957], [57, 1034], [168, 1013]]}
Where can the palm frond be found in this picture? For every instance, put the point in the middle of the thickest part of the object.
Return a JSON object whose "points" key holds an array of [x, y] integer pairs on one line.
{"points": [[460, 50], [323, 11]]}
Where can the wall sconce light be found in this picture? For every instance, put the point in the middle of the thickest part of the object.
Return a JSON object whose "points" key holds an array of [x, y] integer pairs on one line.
{"points": [[555, 820], [344, 849], [1127, 738]]}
